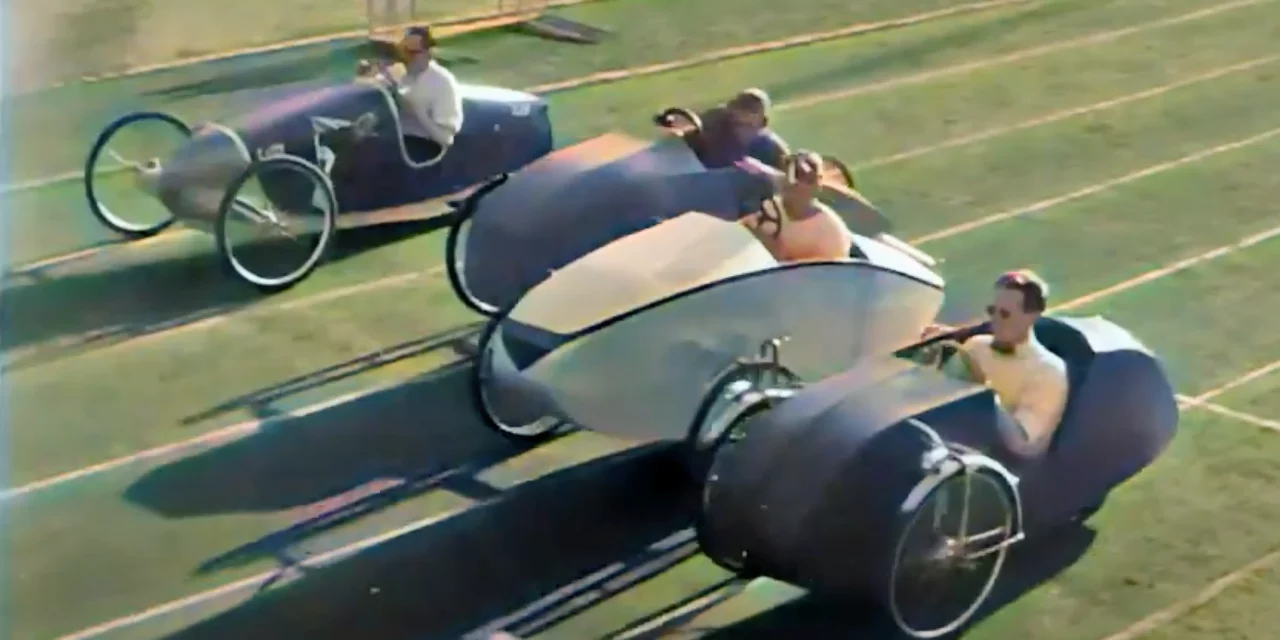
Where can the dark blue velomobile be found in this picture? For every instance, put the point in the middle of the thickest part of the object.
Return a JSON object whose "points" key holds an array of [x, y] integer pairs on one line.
{"points": [[898, 482], [511, 234], [309, 160]]}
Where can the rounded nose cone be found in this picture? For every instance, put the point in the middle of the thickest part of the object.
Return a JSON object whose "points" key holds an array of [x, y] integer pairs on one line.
{"points": [[511, 395]]}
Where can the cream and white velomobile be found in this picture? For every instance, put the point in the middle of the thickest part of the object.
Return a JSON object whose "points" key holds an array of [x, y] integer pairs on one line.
{"points": [[629, 339]]}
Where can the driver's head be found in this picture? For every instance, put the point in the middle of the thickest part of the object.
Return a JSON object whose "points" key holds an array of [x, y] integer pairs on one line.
{"points": [[417, 45], [749, 113], [1020, 299]]}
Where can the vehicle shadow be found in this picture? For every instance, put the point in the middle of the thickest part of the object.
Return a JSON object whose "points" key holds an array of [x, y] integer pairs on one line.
{"points": [[420, 434], [1035, 562], [461, 574], [46, 318], [263, 402]]}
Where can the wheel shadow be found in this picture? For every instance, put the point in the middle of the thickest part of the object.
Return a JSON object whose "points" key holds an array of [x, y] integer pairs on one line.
{"points": [[1031, 564], [46, 318], [469, 570], [417, 436]]}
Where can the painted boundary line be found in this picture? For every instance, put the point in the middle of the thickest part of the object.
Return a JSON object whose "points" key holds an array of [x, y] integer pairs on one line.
{"points": [[448, 27], [1094, 189], [212, 317], [718, 55], [368, 543], [1227, 412], [1056, 116], [410, 276], [30, 268], [1072, 43]]}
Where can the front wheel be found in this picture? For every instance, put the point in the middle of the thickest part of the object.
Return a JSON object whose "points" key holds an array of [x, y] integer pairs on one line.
{"points": [[125, 160], [523, 432], [950, 552], [276, 221]]}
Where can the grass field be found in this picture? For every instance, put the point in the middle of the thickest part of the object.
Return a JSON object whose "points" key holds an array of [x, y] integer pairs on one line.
{"points": [[188, 460]]}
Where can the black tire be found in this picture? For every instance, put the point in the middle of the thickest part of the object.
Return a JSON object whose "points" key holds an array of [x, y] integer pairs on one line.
{"points": [[329, 220], [454, 254], [999, 496], [104, 215], [524, 435]]}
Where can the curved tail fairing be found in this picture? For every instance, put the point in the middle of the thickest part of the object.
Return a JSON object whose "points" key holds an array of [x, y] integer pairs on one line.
{"points": [[606, 377], [580, 198]]}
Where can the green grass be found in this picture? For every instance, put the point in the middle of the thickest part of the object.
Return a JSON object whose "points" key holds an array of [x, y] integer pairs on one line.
{"points": [[646, 32], [1203, 510], [52, 220]]}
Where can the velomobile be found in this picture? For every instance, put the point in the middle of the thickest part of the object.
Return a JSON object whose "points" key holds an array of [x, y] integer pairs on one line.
{"points": [[899, 483], [307, 161], [513, 232]]}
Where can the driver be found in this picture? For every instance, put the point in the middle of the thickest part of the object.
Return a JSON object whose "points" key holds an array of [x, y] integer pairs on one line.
{"points": [[805, 229], [1030, 380], [740, 129], [429, 95]]}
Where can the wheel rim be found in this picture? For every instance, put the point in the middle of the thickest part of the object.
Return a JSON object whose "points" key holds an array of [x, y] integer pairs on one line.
{"points": [[459, 264], [124, 169], [279, 223], [949, 557], [533, 429]]}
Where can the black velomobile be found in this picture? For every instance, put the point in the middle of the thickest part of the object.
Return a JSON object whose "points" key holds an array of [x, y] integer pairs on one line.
{"points": [[900, 483]]}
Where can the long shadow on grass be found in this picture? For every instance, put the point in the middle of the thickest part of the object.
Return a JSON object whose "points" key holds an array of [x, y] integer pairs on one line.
{"points": [[51, 317], [444, 580], [407, 439], [1031, 564], [907, 54]]}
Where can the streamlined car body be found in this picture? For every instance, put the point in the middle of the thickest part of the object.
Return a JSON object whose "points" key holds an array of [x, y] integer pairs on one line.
{"points": [[897, 482], [304, 161]]}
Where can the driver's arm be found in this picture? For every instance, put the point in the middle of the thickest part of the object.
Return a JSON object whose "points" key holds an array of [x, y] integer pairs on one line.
{"points": [[1040, 407]]}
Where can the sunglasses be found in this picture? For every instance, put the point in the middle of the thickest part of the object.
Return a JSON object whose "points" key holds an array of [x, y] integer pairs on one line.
{"points": [[1003, 314]]}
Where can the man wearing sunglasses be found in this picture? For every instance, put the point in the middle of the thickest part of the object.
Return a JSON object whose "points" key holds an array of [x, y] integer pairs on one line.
{"points": [[1030, 380], [428, 96]]}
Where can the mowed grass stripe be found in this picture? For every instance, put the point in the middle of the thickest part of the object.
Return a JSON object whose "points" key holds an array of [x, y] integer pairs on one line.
{"points": [[1171, 122], [822, 67], [133, 525], [876, 111]]}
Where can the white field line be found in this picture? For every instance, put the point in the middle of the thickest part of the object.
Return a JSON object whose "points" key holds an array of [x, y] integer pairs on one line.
{"points": [[1212, 407], [718, 55], [807, 39], [1146, 94], [376, 540], [1096, 188], [1183, 607], [206, 320], [405, 277], [1017, 56], [820, 98], [1242, 380]]}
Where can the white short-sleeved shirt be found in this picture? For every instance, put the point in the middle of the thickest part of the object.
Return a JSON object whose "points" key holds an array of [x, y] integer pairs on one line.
{"points": [[1031, 384], [435, 100]]}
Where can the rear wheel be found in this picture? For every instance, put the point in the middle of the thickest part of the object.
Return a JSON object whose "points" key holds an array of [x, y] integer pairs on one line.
{"points": [[276, 222], [523, 432], [124, 163], [950, 553]]}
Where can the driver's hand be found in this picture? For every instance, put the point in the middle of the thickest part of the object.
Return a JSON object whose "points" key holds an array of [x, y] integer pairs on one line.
{"points": [[364, 68]]}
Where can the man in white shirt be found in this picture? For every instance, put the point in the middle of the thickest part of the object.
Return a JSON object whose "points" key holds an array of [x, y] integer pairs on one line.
{"points": [[429, 97], [1029, 380]]}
